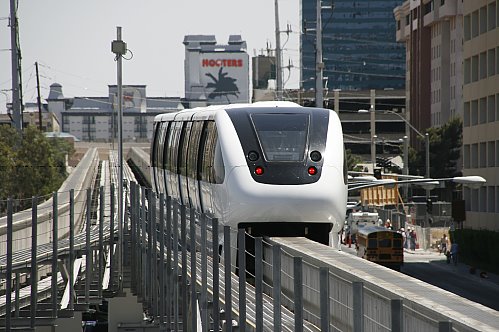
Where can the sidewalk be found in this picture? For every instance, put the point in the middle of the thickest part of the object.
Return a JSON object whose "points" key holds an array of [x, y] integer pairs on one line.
{"points": [[464, 270]]}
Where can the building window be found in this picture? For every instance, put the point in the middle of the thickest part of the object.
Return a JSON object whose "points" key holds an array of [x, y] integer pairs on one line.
{"points": [[483, 19], [491, 62], [474, 24], [491, 150], [467, 71], [483, 65], [491, 108], [483, 155], [474, 156], [492, 16], [467, 27], [466, 156], [474, 112], [474, 68], [483, 110], [466, 114], [497, 153], [483, 199], [474, 200]]}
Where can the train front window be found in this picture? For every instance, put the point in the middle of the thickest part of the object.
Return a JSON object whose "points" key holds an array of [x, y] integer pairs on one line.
{"points": [[283, 137]]}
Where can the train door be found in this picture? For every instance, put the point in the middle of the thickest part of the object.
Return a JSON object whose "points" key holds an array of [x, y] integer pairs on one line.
{"points": [[192, 164], [173, 144], [182, 163], [206, 169], [163, 145], [155, 153]]}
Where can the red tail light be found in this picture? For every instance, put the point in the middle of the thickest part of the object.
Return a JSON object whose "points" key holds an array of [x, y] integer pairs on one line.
{"points": [[312, 170], [259, 170]]}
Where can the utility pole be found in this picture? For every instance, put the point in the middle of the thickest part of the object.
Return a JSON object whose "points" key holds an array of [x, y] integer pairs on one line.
{"points": [[372, 110], [278, 54], [38, 99], [118, 47], [16, 86], [319, 102]]}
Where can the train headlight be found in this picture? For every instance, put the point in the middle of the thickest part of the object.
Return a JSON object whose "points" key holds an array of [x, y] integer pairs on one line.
{"points": [[258, 170], [315, 156], [312, 170], [253, 156]]}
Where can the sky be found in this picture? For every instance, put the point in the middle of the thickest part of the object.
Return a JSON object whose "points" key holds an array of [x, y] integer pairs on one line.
{"points": [[71, 41]]}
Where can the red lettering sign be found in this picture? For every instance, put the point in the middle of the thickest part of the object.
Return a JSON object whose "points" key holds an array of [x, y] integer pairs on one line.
{"points": [[221, 62]]}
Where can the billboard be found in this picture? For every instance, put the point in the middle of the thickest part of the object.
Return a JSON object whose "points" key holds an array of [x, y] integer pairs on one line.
{"points": [[225, 77]]}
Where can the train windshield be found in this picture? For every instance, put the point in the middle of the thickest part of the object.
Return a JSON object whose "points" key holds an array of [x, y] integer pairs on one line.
{"points": [[283, 137]]}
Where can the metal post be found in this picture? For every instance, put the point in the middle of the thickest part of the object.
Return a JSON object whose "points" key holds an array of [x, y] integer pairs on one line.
{"points": [[8, 276], [88, 251], [445, 326], [71, 247], [161, 271], [241, 245], [227, 280], [55, 242], [16, 72], [278, 55], [358, 306], [169, 277], [133, 240], [397, 315], [101, 240], [143, 244], [406, 163], [192, 229], [152, 253], [324, 298], [204, 275], [34, 263], [319, 65], [259, 284], [111, 236], [17, 295], [372, 111], [119, 60], [185, 288], [216, 275], [175, 266], [276, 286], [298, 292]]}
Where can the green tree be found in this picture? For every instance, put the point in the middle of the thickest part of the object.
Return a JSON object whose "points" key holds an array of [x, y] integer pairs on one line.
{"points": [[352, 161], [33, 165], [445, 150]]}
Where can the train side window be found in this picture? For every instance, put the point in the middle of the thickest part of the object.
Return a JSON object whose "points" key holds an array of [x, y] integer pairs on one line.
{"points": [[182, 157], [192, 154], [207, 171], [154, 155], [218, 164], [174, 143], [165, 159]]}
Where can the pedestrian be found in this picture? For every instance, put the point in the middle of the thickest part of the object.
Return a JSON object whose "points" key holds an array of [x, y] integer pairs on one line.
{"points": [[443, 245], [402, 231], [454, 251], [413, 239]]}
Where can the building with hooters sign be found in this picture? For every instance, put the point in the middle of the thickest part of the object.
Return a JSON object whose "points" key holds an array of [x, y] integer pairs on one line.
{"points": [[215, 74]]}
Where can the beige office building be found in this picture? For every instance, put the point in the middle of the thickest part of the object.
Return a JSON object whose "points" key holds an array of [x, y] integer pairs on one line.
{"points": [[481, 111]]}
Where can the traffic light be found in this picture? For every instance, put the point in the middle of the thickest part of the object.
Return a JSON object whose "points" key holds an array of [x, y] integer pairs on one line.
{"points": [[429, 205]]}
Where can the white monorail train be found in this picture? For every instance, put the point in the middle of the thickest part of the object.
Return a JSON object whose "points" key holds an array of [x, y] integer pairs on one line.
{"points": [[273, 168]]}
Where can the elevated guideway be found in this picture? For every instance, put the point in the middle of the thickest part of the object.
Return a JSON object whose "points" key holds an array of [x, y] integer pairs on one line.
{"points": [[75, 258], [423, 307]]}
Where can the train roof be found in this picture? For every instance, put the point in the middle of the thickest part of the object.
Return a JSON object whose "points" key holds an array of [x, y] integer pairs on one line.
{"points": [[208, 112]]}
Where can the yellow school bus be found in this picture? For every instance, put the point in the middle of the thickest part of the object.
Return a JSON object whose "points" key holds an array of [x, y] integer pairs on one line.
{"points": [[380, 245]]}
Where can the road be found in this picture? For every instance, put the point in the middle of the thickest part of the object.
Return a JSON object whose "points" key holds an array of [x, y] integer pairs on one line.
{"points": [[430, 267]]}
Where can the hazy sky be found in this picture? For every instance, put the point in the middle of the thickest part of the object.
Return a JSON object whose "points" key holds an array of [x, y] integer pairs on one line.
{"points": [[71, 40]]}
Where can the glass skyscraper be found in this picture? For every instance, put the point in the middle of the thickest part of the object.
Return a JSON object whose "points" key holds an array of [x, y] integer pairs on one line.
{"points": [[358, 44]]}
